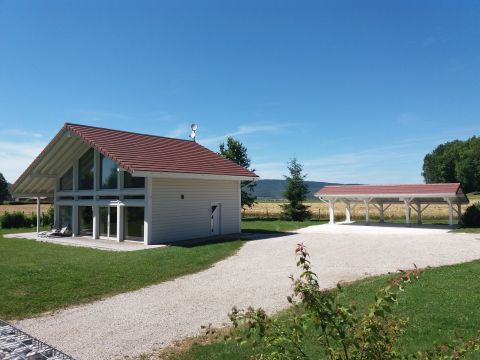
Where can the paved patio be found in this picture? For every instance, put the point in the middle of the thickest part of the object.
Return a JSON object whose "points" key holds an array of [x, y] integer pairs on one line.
{"points": [[101, 244]]}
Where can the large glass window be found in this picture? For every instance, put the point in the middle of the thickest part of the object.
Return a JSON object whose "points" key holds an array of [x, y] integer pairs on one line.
{"points": [[133, 220], [85, 220], [65, 216], [85, 171], [133, 182], [108, 173], [66, 181]]}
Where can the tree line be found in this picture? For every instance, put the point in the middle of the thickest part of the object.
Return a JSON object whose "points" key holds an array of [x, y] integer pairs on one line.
{"points": [[455, 161]]}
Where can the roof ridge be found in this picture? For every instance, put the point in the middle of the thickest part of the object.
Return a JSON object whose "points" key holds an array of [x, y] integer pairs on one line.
{"points": [[129, 132]]}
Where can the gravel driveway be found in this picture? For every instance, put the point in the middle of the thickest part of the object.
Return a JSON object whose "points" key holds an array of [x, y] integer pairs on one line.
{"points": [[139, 321]]}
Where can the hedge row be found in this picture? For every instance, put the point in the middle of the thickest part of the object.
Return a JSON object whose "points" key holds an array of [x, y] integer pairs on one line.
{"points": [[18, 219]]}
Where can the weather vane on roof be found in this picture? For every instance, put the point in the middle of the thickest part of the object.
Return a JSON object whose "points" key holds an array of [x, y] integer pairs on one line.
{"points": [[194, 132]]}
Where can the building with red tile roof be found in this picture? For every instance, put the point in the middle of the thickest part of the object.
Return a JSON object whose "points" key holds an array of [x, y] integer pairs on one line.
{"points": [[124, 185]]}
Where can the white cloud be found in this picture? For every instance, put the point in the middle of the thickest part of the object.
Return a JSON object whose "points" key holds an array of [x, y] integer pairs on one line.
{"points": [[15, 157], [245, 130]]}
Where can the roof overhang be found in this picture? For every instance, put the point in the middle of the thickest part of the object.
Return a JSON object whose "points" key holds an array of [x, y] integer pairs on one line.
{"points": [[176, 175], [56, 158]]}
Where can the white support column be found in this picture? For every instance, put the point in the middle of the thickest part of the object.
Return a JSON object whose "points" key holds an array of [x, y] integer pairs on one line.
{"points": [[74, 224], [147, 222], [459, 213], [419, 213], [347, 212], [407, 211], [382, 213], [331, 209], [38, 215], [450, 212], [120, 227], [367, 210], [96, 221]]}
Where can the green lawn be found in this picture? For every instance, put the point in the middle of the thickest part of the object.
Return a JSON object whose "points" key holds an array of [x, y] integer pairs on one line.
{"points": [[275, 225], [442, 305], [36, 277], [467, 230]]}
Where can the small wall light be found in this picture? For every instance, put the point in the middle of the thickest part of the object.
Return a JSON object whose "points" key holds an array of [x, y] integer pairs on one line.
{"points": [[182, 196]]}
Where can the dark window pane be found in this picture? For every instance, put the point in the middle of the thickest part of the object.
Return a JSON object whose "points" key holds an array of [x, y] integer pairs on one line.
{"points": [[65, 216], [85, 171], [108, 173], [133, 220], [133, 182], [66, 181]]}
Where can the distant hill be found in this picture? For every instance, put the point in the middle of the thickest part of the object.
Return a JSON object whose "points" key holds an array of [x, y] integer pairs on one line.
{"points": [[273, 188]]}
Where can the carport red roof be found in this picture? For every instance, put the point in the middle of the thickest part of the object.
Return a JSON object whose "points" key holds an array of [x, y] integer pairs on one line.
{"points": [[142, 152], [410, 189]]}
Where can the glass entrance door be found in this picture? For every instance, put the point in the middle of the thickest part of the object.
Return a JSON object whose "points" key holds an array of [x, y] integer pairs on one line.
{"points": [[108, 222]]}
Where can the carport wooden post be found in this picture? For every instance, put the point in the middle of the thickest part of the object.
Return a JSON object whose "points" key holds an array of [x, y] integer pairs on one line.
{"points": [[382, 213], [419, 212], [347, 212], [331, 209], [38, 215], [407, 210], [459, 213], [450, 211], [367, 212]]}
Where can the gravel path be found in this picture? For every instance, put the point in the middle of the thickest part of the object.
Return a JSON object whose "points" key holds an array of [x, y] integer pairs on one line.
{"points": [[139, 321]]}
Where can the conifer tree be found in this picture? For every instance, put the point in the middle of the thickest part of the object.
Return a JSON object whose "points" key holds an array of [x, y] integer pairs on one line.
{"points": [[296, 192]]}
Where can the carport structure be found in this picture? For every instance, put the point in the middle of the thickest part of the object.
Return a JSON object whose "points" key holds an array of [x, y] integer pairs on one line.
{"points": [[416, 197]]}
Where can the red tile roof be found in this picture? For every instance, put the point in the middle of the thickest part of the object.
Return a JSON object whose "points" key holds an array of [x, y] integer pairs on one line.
{"points": [[141, 152], [449, 188]]}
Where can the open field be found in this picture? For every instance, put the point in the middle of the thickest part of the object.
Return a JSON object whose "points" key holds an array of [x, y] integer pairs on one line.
{"points": [[440, 307], [27, 209], [320, 210]]}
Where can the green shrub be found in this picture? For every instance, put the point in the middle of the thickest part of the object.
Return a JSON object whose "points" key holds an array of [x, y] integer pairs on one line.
{"points": [[18, 219], [471, 216], [342, 331]]}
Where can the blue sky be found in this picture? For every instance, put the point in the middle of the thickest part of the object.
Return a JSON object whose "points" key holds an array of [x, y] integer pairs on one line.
{"points": [[358, 91]]}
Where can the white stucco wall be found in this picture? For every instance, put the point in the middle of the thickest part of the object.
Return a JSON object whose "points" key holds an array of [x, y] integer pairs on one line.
{"points": [[174, 218]]}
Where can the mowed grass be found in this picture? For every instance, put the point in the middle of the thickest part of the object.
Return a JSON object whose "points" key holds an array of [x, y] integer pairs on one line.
{"points": [[442, 306], [276, 225], [37, 277]]}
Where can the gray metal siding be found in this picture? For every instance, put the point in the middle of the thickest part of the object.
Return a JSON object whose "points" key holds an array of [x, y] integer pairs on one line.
{"points": [[174, 218]]}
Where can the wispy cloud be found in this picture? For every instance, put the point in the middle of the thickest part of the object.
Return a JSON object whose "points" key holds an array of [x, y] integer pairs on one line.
{"points": [[246, 130], [21, 133], [182, 130]]}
